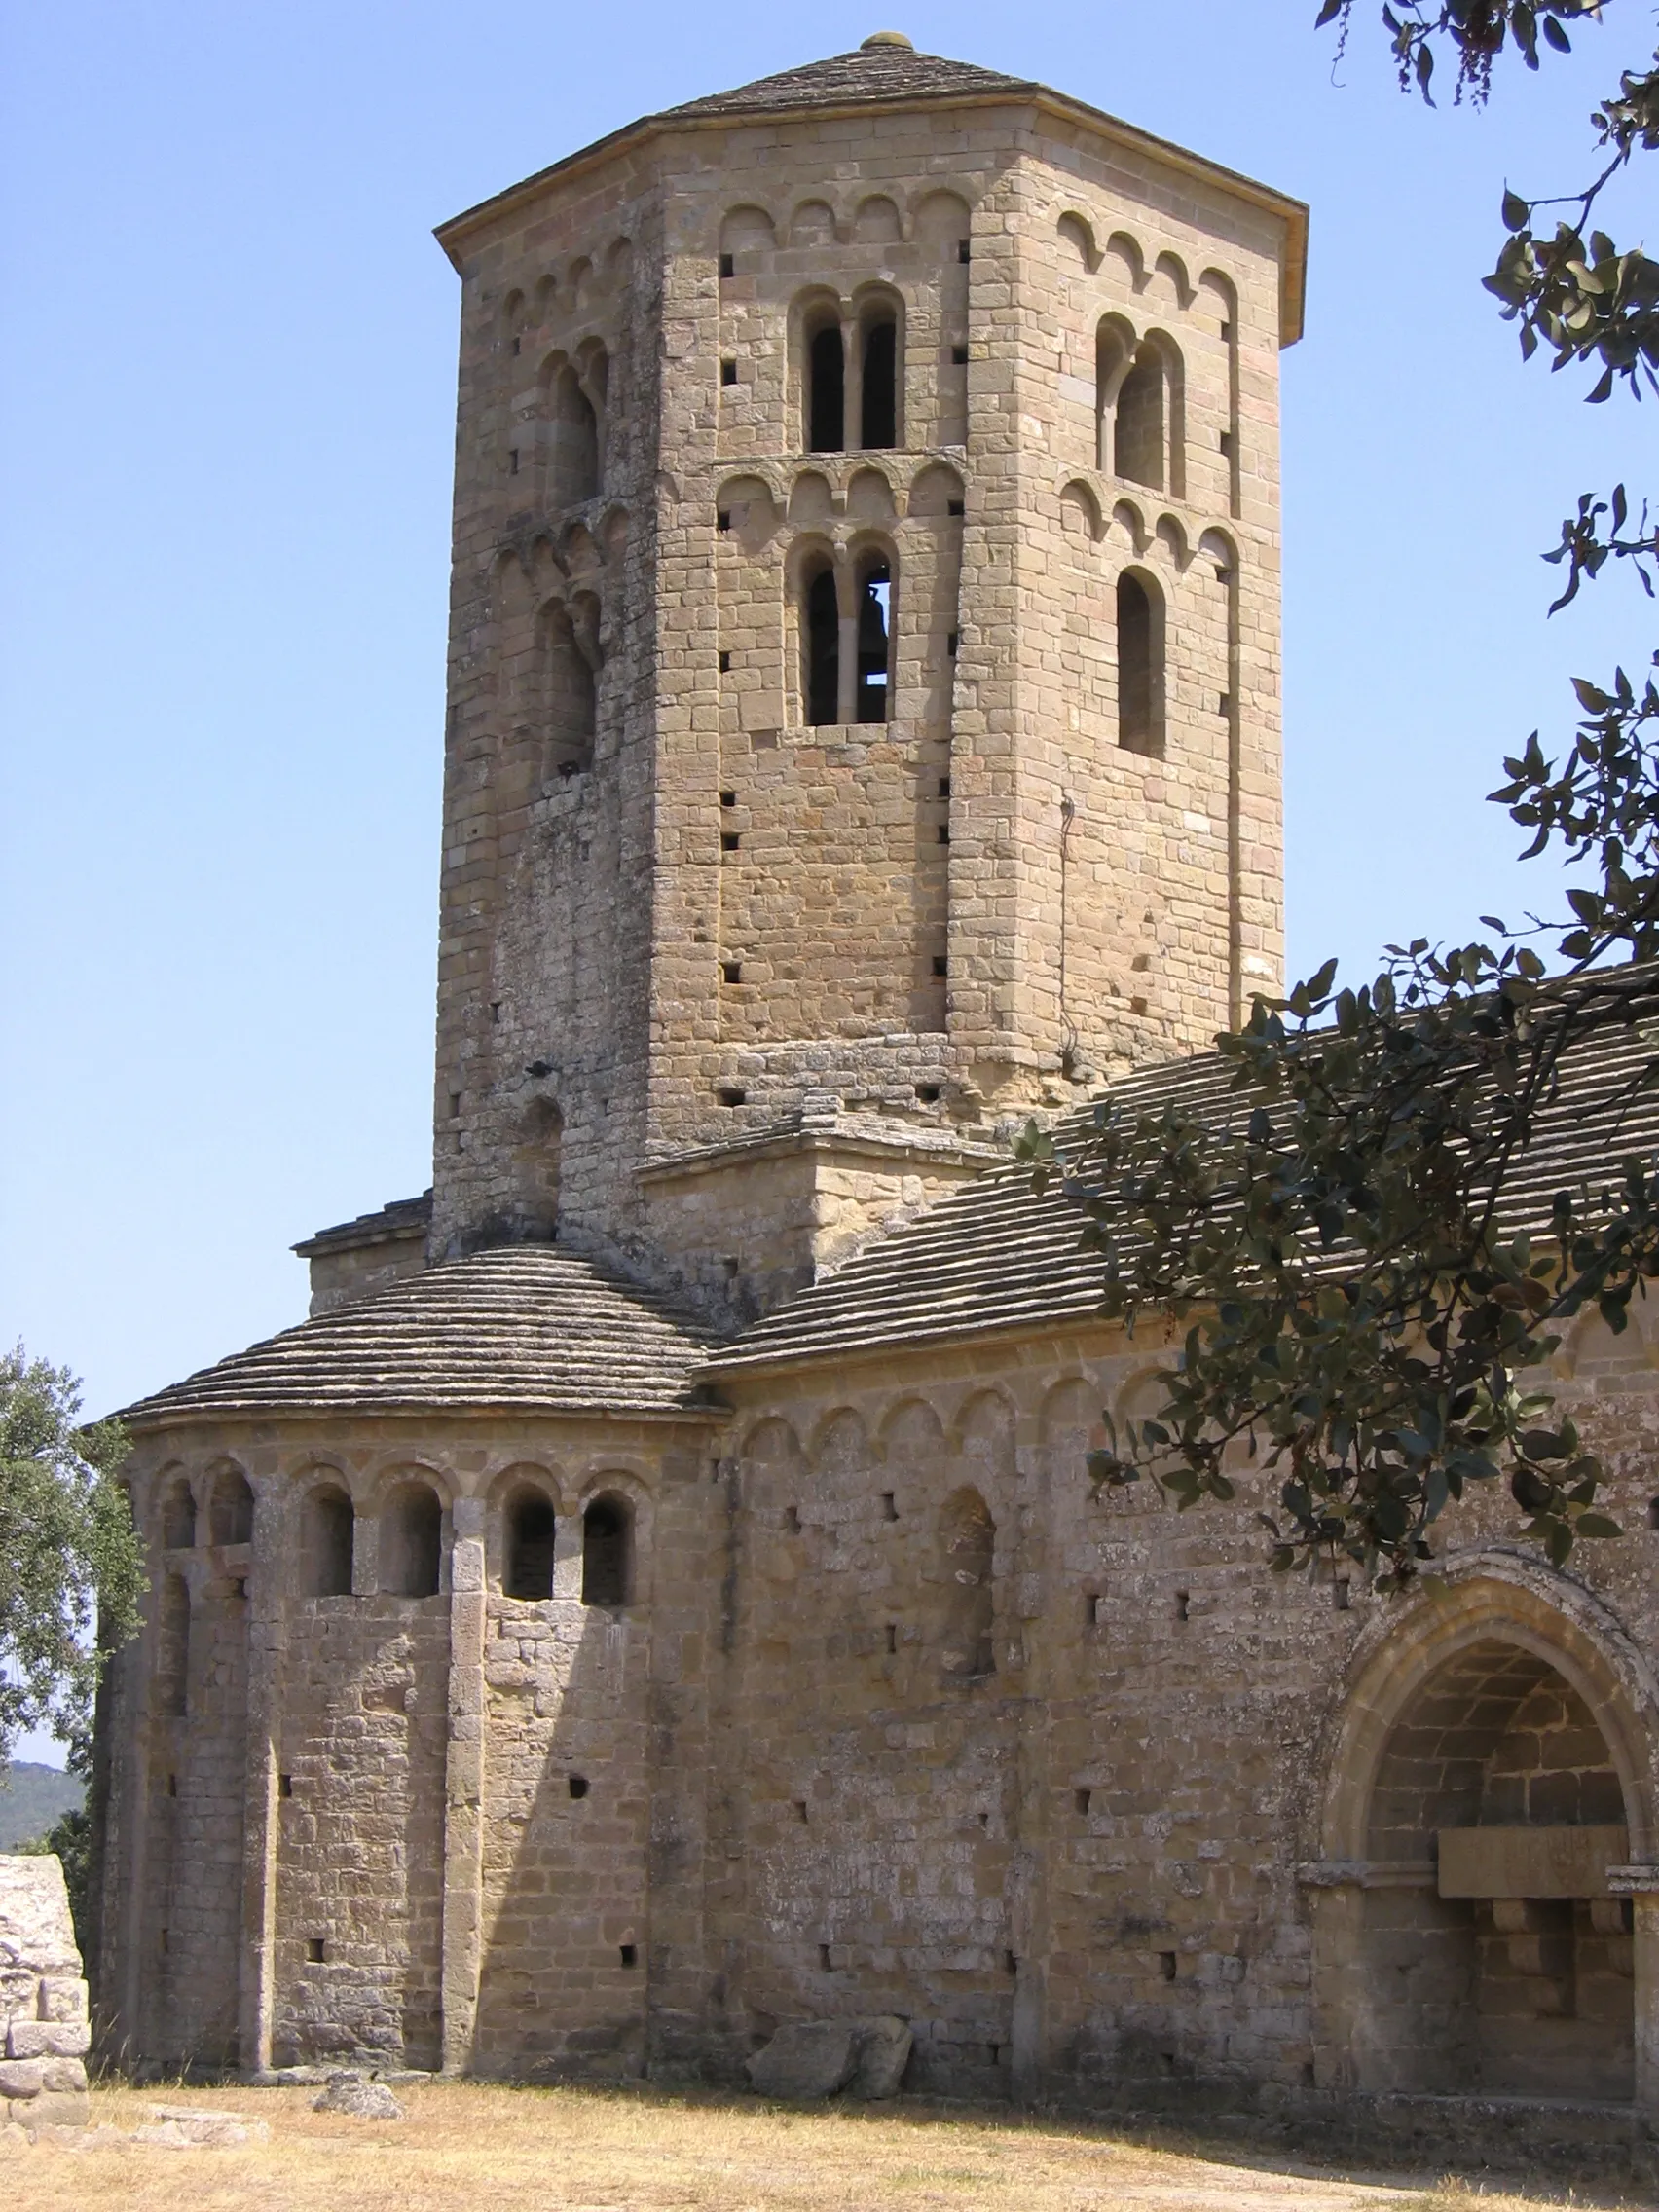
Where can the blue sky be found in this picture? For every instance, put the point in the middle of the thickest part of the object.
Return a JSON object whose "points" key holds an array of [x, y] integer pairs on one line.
{"points": [[227, 395]]}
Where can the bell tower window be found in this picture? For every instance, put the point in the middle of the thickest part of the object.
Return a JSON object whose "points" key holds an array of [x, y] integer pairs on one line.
{"points": [[820, 649], [878, 396], [827, 391], [876, 611]]}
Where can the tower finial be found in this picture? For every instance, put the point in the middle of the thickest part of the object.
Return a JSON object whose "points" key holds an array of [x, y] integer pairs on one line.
{"points": [[886, 38]]}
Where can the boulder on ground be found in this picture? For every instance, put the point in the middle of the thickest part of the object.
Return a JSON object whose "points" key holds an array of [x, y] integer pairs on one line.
{"points": [[362, 2100], [190, 2123], [806, 2058], [883, 2053]]}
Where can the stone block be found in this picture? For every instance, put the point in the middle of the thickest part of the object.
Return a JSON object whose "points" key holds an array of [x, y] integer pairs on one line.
{"points": [[35, 1927], [883, 2052], [21, 2077], [1528, 1862], [806, 2059], [61, 2077], [62, 1997], [362, 2100], [56, 2108]]}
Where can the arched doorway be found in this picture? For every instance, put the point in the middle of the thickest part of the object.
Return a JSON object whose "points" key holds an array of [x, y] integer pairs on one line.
{"points": [[1470, 1937]]}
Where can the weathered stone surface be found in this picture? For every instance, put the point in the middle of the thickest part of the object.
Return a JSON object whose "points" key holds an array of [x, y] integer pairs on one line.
{"points": [[49, 2039], [21, 2077], [61, 2075], [362, 2100], [882, 2053], [55, 2108], [36, 1932], [177, 2125], [63, 1998], [806, 2059]]}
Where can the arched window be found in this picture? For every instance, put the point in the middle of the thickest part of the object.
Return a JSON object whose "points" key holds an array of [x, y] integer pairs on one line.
{"points": [[172, 1648], [1139, 430], [574, 442], [879, 380], [870, 702], [412, 1542], [968, 1541], [326, 1542], [821, 647], [231, 1516], [1140, 665], [530, 1523], [607, 1533], [826, 389], [572, 696], [178, 1516]]}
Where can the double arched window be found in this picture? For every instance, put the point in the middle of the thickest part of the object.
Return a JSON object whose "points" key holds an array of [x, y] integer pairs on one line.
{"points": [[1139, 407], [847, 659], [851, 375]]}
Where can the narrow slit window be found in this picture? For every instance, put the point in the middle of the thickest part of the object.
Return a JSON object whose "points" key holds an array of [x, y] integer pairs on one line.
{"points": [[875, 631], [879, 392], [1140, 671], [530, 1546], [606, 1549], [823, 649], [825, 399]]}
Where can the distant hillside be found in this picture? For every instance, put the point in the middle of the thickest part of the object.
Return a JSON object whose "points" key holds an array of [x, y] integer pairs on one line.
{"points": [[31, 1798]]}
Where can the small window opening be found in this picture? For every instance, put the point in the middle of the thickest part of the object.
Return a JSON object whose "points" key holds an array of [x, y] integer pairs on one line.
{"points": [[1653, 1513], [944, 786], [172, 1785], [629, 1955], [728, 372], [730, 1095], [531, 1525], [165, 1944], [726, 664], [800, 1809], [963, 249], [728, 799], [731, 840], [727, 268], [957, 507], [577, 1785], [731, 1267], [791, 1519], [284, 1786], [330, 1527], [993, 2053], [1226, 442], [941, 964], [823, 650], [1092, 1608], [928, 1094], [517, 345], [876, 611], [1084, 1797], [878, 398], [952, 642], [945, 832], [513, 461], [889, 1505], [1139, 677], [723, 520], [317, 1950], [1341, 1593], [959, 356], [825, 406], [1183, 1605], [824, 1958], [731, 971], [238, 1588], [892, 1639], [1011, 1965], [412, 1542], [1224, 705], [606, 1542], [1227, 332], [1166, 1964]]}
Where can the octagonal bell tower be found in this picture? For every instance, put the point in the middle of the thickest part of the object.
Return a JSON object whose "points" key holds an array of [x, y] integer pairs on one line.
{"points": [[865, 658]]}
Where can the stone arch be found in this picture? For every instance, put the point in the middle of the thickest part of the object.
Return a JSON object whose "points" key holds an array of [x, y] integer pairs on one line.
{"points": [[1070, 1413], [937, 490], [230, 1505], [869, 497], [840, 1440], [913, 1450], [818, 353], [875, 397], [812, 223], [412, 1534], [750, 514], [569, 703], [876, 221], [573, 439], [1505, 1700], [175, 1512], [1125, 261], [942, 219], [746, 230], [609, 1563], [1170, 278], [1141, 662], [527, 1500], [1080, 512], [1078, 232], [1170, 533], [812, 500]]}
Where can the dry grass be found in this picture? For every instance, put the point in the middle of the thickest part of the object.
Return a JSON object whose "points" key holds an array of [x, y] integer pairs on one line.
{"points": [[489, 2150]]}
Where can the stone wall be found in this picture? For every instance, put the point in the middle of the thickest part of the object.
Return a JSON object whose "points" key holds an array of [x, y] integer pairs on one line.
{"points": [[42, 1999]]}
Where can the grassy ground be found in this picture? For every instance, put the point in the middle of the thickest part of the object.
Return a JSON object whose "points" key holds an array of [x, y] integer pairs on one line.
{"points": [[500, 2150]]}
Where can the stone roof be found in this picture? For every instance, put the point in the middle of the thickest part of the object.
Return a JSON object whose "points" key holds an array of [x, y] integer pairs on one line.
{"points": [[994, 1256], [879, 70], [403, 1217], [524, 1327]]}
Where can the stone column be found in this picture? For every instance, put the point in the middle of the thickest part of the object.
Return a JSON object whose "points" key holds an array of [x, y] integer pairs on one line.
{"points": [[256, 1992], [1640, 1883], [463, 1789]]}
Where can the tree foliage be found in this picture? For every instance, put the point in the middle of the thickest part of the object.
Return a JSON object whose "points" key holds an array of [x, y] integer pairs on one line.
{"points": [[1357, 1306], [70, 1561]]}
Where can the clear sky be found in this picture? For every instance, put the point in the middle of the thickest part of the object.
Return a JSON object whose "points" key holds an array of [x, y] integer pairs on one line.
{"points": [[227, 421]]}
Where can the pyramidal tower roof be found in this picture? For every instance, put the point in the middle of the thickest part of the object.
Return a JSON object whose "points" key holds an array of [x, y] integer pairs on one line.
{"points": [[885, 68]]}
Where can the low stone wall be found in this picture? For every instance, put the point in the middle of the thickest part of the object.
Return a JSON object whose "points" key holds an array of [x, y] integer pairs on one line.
{"points": [[43, 1998]]}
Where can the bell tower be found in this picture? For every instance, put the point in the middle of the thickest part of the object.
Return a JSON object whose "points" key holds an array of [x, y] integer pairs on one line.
{"points": [[864, 656]]}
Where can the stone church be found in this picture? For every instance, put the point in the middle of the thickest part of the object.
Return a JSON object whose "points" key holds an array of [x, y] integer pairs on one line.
{"points": [[656, 1596]]}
